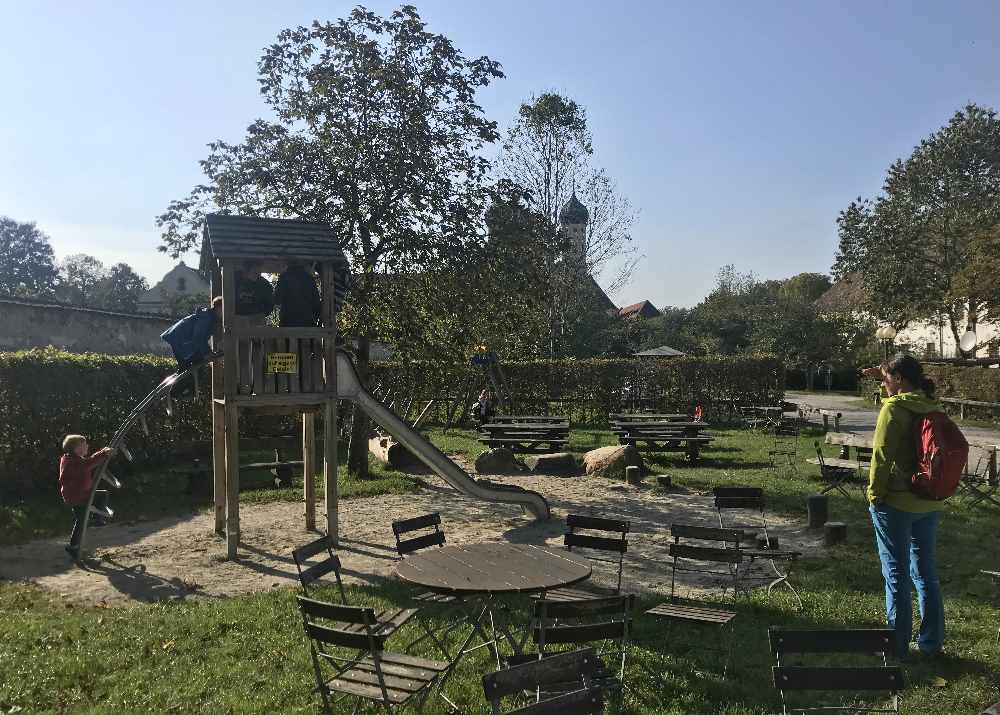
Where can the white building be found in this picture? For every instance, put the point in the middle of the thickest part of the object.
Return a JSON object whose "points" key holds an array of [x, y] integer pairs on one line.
{"points": [[180, 281]]}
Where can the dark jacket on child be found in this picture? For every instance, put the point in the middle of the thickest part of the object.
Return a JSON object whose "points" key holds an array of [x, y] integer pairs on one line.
{"points": [[188, 337], [76, 477], [254, 295], [298, 298]]}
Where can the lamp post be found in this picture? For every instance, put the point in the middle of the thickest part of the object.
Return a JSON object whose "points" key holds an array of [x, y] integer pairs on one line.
{"points": [[886, 334]]}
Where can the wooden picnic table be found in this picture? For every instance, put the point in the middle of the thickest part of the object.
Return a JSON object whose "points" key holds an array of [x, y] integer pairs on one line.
{"points": [[656, 437], [527, 427], [862, 445], [666, 426], [555, 419], [640, 416], [487, 572], [530, 434]]}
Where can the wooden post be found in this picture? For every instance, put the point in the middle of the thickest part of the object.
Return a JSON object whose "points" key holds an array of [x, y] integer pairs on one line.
{"points": [[232, 417], [818, 508], [218, 420], [330, 470], [329, 319], [834, 532], [309, 467]]}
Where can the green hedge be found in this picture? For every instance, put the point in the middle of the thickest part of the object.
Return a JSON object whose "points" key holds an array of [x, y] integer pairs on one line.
{"points": [[45, 394], [587, 390], [968, 383]]}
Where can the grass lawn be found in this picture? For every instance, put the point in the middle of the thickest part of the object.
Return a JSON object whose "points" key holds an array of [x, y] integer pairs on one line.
{"points": [[248, 654]]}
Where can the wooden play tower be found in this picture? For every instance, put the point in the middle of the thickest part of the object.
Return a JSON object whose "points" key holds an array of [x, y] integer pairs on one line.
{"points": [[285, 370]]}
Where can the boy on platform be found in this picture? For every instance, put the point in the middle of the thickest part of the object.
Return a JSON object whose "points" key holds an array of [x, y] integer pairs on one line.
{"points": [[188, 337], [76, 478]]}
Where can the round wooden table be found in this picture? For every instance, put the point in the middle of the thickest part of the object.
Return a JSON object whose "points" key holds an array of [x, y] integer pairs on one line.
{"points": [[493, 568], [478, 575]]}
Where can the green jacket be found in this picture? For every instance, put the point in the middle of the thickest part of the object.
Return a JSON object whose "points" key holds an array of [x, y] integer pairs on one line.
{"points": [[894, 453]]}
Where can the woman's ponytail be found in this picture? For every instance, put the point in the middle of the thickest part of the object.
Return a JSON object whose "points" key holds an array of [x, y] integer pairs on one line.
{"points": [[908, 368]]}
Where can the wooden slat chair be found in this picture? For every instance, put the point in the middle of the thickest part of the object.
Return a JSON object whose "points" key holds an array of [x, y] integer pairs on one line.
{"points": [[743, 500], [605, 544], [836, 478], [428, 601], [720, 563], [978, 486], [605, 621], [862, 642], [387, 622], [575, 669], [369, 673], [786, 445]]}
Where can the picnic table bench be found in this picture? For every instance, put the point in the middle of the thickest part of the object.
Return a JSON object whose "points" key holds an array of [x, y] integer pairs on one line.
{"points": [[646, 416], [664, 435], [528, 434]]}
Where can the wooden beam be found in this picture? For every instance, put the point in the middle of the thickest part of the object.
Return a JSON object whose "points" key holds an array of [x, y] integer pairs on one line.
{"points": [[309, 468], [330, 470], [232, 417], [218, 419]]}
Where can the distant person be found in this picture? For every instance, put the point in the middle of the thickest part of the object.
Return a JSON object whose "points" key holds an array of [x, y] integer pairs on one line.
{"points": [[76, 479], [254, 294], [188, 337], [906, 524], [485, 407], [297, 297]]}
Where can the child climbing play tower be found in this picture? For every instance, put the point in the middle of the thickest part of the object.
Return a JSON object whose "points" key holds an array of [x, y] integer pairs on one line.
{"points": [[284, 370]]}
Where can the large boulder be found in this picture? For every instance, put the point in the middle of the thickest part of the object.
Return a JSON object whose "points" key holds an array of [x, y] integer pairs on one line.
{"points": [[560, 463], [611, 461], [497, 461]]}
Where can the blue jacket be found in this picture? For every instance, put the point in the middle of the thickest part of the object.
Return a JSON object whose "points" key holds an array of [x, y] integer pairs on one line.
{"points": [[188, 337]]}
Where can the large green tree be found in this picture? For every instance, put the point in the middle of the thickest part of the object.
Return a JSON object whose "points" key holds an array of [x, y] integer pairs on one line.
{"points": [[375, 131], [914, 247], [81, 278], [548, 152], [121, 288], [27, 264]]}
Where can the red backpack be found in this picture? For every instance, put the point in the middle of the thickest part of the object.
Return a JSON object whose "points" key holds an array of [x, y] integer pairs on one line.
{"points": [[942, 452]]}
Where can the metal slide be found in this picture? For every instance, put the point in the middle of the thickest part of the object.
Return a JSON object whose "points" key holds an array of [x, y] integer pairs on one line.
{"points": [[104, 476], [349, 387]]}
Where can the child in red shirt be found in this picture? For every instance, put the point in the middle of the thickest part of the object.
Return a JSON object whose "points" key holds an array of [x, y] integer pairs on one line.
{"points": [[76, 477]]}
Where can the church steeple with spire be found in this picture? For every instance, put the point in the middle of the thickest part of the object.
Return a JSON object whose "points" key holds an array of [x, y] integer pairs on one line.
{"points": [[573, 218]]}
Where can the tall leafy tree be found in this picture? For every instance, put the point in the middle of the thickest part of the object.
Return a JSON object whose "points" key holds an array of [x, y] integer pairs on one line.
{"points": [[27, 264], [121, 288], [914, 246], [549, 153], [377, 132], [81, 278]]}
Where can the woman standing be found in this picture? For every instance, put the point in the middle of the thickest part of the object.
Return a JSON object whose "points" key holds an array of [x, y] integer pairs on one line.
{"points": [[905, 524]]}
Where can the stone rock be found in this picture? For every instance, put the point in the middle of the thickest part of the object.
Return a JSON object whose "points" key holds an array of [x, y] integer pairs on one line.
{"points": [[611, 461], [391, 453], [497, 461], [558, 463]]}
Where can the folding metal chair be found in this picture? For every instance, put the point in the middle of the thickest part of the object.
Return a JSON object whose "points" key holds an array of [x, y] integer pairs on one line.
{"points": [[432, 536], [995, 575], [386, 622], [371, 673], [980, 485], [800, 678], [744, 500], [573, 670], [704, 560], [605, 621], [785, 445], [836, 478], [604, 544]]}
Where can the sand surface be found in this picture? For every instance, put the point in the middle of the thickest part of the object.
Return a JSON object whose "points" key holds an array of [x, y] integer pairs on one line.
{"points": [[181, 557]]}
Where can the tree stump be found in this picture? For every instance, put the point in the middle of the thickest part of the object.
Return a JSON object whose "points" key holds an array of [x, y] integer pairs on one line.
{"points": [[818, 506], [665, 481], [633, 475], [834, 532]]}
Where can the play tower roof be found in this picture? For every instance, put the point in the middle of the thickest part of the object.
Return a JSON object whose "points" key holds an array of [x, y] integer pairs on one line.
{"points": [[242, 237]]}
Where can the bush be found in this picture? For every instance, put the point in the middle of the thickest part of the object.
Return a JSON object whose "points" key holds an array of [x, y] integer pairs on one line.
{"points": [[966, 383], [587, 390], [46, 394]]}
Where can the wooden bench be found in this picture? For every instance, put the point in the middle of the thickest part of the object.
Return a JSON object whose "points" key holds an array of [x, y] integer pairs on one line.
{"points": [[194, 459], [526, 434], [646, 416]]}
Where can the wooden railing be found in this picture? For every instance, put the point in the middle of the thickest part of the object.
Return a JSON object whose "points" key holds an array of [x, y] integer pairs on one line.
{"points": [[280, 361]]}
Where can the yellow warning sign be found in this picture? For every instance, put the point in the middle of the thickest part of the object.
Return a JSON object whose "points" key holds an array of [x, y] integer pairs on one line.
{"points": [[282, 363]]}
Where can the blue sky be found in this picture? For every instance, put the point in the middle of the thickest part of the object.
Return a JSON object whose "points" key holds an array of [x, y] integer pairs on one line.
{"points": [[738, 130]]}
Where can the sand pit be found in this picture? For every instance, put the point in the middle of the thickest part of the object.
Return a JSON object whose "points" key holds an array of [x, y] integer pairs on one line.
{"points": [[177, 558]]}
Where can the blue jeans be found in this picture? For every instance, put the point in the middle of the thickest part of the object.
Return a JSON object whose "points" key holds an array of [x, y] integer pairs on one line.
{"points": [[906, 544]]}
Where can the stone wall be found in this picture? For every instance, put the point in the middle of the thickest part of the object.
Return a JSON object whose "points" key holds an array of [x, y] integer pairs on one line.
{"points": [[28, 324]]}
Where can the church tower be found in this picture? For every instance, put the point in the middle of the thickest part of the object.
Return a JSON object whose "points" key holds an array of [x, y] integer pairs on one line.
{"points": [[573, 218]]}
